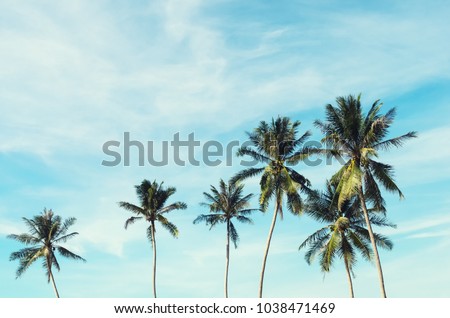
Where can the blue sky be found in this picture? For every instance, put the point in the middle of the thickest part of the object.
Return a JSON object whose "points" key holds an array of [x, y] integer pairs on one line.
{"points": [[75, 74]]}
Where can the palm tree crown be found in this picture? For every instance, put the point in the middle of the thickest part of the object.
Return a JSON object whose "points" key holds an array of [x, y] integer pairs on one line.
{"points": [[344, 233], [46, 232], [276, 146], [357, 138], [225, 204], [152, 199]]}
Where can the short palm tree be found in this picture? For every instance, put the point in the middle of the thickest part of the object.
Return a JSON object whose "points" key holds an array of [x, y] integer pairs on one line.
{"points": [[357, 138], [225, 204], [277, 146], [152, 199], [46, 232], [344, 233]]}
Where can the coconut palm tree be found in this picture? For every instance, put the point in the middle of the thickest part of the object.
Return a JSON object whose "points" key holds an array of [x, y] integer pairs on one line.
{"points": [[277, 146], [343, 235], [152, 199], [46, 232], [225, 204], [357, 137]]}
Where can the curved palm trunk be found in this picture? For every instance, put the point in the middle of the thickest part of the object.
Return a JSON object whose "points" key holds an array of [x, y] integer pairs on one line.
{"points": [[269, 238], [372, 240], [227, 260], [349, 277], [50, 274], [154, 259]]}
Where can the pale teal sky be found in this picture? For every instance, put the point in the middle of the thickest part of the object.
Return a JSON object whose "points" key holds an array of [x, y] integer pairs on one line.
{"points": [[75, 74]]}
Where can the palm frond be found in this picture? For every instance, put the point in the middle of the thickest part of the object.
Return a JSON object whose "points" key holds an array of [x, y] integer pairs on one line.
{"points": [[267, 185], [348, 179], [33, 228], [247, 151], [47, 267], [317, 236], [347, 252], [173, 230], [372, 192], [380, 240], [132, 208], [320, 207], [305, 153], [299, 179], [234, 235], [131, 220], [210, 219], [384, 174], [395, 142], [64, 238], [294, 202], [245, 174], [65, 226], [54, 261], [25, 253], [24, 238], [331, 247], [243, 219], [376, 220], [361, 244], [174, 206], [68, 254], [27, 257], [247, 211]]}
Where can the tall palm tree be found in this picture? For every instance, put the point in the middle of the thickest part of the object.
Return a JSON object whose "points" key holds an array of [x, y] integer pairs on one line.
{"points": [[152, 199], [357, 138], [225, 204], [276, 146], [46, 232], [344, 233]]}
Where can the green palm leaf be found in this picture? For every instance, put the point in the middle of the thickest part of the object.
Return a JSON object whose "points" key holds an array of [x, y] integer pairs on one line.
{"points": [[46, 231], [344, 235]]}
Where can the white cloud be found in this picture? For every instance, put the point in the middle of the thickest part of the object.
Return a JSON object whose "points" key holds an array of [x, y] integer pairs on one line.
{"points": [[75, 89], [420, 227], [431, 234], [7, 227], [423, 159], [77, 74]]}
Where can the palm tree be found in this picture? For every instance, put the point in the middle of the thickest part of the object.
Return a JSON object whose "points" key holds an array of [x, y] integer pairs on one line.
{"points": [[152, 199], [344, 233], [225, 204], [276, 146], [357, 138], [46, 232]]}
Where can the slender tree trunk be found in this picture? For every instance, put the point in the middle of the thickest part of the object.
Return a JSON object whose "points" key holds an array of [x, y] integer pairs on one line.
{"points": [[50, 274], [349, 276], [372, 240], [227, 260], [154, 258], [269, 238]]}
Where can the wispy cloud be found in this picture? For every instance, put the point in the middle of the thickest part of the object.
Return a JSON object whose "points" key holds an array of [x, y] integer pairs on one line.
{"points": [[421, 227], [76, 74], [7, 227], [73, 90], [424, 159]]}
